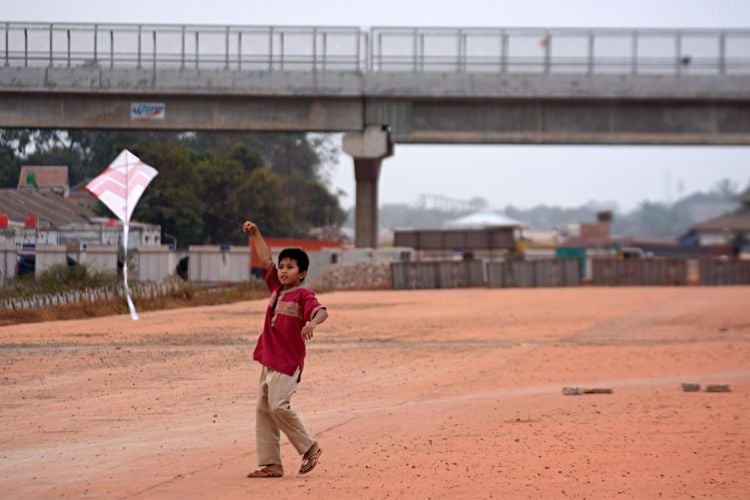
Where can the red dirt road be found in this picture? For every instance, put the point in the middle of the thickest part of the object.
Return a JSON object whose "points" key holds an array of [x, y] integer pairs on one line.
{"points": [[415, 394]]}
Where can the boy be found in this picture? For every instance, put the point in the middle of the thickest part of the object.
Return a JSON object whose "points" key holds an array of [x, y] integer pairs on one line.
{"points": [[291, 317]]}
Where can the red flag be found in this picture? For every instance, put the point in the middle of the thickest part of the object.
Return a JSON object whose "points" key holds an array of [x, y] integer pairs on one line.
{"points": [[30, 221]]}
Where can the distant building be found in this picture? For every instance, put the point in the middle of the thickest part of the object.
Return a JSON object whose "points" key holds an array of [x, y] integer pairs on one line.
{"points": [[80, 196], [39, 217], [50, 210], [44, 178], [594, 234], [483, 235], [731, 228]]}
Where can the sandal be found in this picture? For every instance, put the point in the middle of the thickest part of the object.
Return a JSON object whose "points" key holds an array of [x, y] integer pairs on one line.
{"points": [[309, 463], [265, 472]]}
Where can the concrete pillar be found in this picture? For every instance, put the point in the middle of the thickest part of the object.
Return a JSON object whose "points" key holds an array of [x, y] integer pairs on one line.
{"points": [[368, 148], [366, 174]]}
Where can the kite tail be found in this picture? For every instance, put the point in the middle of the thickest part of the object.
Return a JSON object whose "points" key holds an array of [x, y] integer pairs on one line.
{"points": [[131, 306]]}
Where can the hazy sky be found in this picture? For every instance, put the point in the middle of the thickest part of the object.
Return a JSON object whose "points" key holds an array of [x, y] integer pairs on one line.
{"points": [[520, 175]]}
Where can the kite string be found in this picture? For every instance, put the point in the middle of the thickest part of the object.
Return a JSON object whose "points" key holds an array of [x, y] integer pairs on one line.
{"points": [[197, 208]]}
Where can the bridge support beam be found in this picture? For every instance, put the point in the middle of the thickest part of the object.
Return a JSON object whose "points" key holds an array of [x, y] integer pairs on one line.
{"points": [[368, 148]]}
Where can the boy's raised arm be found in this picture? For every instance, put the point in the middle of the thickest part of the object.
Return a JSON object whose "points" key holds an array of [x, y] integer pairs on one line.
{"points": [[261, 247]]}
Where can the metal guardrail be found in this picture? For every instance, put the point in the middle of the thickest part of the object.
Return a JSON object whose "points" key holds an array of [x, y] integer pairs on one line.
{"points": [[534, 273], [639, 272], [90, 296], [264, 48], [381, 49], [437, 274], [724, 272]]}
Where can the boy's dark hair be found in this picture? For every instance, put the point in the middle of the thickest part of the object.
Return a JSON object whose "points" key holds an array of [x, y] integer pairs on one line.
{"points": [[298, 255]]}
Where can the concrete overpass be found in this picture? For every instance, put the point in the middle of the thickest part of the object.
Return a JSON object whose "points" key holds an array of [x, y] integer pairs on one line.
{"points": [[383, 86]]}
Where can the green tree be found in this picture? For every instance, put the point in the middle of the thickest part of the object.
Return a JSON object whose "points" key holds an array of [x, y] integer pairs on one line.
{"points": [[219, 181], [312, 205], [726, 189], [260, 197], [99, 148], [658, 220], [172, 199], [208, 183], [13, 144]]}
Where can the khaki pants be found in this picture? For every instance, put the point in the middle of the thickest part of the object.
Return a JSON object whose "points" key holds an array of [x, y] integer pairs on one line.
{"points": [[274, 413]]}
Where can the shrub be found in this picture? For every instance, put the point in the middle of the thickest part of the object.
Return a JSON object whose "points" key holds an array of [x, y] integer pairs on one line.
{"points": [[60, 278]]}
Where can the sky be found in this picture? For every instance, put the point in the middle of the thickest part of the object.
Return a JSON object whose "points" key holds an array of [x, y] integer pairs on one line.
{"points": [[523, 176]]}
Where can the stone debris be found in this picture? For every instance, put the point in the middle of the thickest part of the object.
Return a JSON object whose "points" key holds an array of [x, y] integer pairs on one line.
{"points": [[368, 275], [718, 388], [577, 391], [691, 387], [89, 295]]}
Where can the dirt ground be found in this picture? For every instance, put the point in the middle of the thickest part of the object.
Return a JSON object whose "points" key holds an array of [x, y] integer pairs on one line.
{"points": [[412, 394]]}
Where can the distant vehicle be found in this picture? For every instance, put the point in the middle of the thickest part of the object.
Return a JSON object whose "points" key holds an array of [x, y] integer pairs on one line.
{"points": [[26, 263], [632, 253], [182, 267]]}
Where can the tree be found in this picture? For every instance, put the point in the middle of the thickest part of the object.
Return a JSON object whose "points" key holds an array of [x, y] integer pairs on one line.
{"points": [[655, 219], [172, 200], [218, 185], [312, 205], [260, 196], [726, 188], [13, 144], [98, 148], [478, 203], [208, 183]]}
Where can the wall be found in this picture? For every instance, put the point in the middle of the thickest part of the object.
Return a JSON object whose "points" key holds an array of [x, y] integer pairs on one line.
{"points": [[724, 272], [48, 256], [155, 262], [225, 263], [102, 259], [639, 272], [437, 274], [7, 262], [534, 273]]}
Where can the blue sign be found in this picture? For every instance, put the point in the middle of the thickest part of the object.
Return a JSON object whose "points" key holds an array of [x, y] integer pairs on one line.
{"points": [[148, 111]]}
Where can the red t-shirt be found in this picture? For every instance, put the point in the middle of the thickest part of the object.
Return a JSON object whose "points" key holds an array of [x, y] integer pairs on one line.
{"points": [[280, 347]]}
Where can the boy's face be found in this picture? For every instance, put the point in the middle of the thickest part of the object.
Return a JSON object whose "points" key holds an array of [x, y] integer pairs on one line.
{"points": [[289, 273]]}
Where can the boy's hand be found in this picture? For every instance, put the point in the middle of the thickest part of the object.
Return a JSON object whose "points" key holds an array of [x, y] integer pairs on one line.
{"points": [[249, 228], [307, 330]]}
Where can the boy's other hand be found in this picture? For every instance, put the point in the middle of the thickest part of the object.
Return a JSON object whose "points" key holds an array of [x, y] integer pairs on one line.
{"points": [[307, 331], [249, 228]]}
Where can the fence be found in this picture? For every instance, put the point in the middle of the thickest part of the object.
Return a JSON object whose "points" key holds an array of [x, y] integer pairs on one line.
{"points": [[639, 272], [380, 49], [7, 262], [534, 273], [724, 272], [139, 291], [437, 274]]}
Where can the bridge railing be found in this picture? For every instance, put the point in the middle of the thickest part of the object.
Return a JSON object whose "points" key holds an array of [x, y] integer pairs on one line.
{"points": [[569, 50], [380, 49], [263, 48]]}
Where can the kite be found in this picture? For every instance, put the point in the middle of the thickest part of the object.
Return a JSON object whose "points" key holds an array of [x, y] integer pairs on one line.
{"points": [[120, 187]]}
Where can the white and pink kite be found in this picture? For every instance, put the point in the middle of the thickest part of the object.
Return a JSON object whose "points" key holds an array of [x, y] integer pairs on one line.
{"points": [[120, 187]]}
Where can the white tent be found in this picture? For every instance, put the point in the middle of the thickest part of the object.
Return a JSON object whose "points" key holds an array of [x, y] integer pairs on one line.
{"points": [[483, 219]]}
